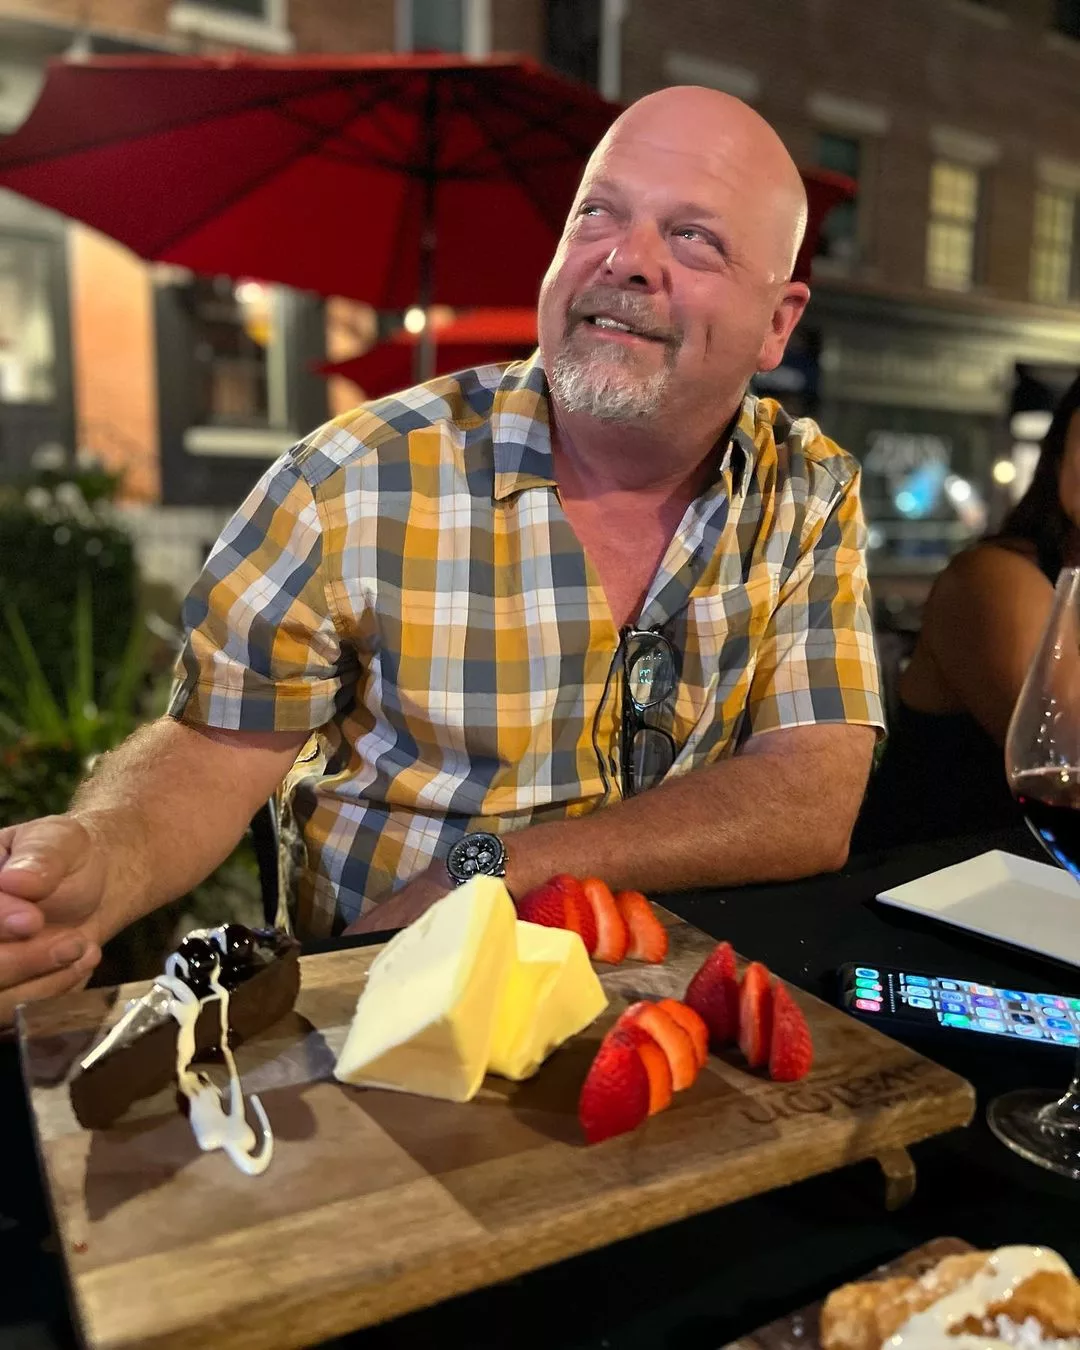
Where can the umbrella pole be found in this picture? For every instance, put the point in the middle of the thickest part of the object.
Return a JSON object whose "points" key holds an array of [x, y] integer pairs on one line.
{"points": [[424, 367]]}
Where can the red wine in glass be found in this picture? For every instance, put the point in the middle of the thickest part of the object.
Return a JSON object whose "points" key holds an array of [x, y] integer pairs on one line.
{"points": [[1042, 761], [1050, 801]]}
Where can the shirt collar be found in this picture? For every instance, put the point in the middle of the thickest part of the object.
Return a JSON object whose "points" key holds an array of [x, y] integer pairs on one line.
{"points": [[521, 433]]}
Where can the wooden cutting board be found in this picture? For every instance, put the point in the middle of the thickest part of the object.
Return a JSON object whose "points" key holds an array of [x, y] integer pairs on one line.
{"points": [[379, 1202], [799, 1330]]}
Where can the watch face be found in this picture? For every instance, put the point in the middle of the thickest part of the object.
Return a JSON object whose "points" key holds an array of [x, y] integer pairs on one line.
{"points": [[476, 855]]}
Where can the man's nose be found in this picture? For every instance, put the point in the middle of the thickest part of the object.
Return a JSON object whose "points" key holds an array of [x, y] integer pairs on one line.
{"points": [[637, 261]]}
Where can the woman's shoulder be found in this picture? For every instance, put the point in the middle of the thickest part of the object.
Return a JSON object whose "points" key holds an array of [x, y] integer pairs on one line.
{"points": [[993, 558], [1003, 573]]}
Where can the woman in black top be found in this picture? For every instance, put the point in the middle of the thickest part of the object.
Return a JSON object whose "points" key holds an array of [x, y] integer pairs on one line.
{"points": [[942, 772]]}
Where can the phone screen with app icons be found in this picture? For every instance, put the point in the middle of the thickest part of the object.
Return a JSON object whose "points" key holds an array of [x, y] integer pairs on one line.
{"points": [[960, 1004]]}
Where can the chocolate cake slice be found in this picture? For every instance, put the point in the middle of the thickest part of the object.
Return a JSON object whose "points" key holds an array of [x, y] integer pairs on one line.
{"points": [[259, 967]]}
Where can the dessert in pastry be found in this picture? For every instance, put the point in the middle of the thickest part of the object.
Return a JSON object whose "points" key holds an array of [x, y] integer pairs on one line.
{"points": [[1014, 1296], [220, 987]]}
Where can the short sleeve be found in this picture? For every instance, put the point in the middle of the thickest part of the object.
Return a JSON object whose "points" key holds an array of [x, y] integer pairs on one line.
{"points": [[817, 661], [262, 649]]}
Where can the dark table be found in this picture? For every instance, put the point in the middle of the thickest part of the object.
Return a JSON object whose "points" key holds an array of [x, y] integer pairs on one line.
{"points": [[698, 1284]]}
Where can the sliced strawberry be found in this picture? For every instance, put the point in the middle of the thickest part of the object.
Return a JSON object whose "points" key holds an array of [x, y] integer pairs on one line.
{"points": [[755, 1014], [578, 908], [692, 1023], [713, 994], [615, 1095], [579, 918], [653, 1058], [670, 1037], [648, 936], [791, 1051], [612, 935], [543, 905]]}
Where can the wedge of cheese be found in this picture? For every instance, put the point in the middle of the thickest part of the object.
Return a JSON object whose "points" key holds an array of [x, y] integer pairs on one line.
{"points": [[424, 1021], [551, 995]]}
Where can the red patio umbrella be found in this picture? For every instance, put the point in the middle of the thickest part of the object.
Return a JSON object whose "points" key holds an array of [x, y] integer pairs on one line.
{"points": [[474, 338], [397, 180], [824, 190]]}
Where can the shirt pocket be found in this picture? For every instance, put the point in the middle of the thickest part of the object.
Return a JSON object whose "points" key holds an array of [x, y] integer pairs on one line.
{"points": [[723, 635]]}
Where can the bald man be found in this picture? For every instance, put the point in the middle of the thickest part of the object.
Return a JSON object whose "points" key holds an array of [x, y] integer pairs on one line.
{"points": [[600, 612]]}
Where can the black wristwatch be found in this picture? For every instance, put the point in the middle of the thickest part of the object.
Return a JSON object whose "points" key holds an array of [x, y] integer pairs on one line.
{"points": [[476, 854]]}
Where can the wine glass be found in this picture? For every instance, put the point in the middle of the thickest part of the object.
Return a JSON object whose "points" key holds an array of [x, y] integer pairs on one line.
{"points": [[1042, 760]]}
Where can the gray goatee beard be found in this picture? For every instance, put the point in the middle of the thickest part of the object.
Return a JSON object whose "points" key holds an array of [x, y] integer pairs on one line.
{"points": [[603, 382], [583, 384]]}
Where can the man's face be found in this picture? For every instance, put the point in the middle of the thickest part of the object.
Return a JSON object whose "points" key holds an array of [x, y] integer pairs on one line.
{"points": [[668, 289]]}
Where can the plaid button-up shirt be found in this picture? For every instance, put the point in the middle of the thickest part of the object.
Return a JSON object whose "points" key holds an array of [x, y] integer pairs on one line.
{"points": [[405, 583]]}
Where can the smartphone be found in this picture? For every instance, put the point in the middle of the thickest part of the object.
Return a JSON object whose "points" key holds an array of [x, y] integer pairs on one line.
{"points": [[912, 1002]]}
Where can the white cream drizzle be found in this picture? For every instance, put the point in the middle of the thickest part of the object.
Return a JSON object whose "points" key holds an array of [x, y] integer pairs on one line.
{"points": [[1004, 1270], [212, 1125]]}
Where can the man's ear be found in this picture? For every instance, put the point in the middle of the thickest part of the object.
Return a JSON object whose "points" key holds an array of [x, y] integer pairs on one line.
{"points": [[789, 308]]}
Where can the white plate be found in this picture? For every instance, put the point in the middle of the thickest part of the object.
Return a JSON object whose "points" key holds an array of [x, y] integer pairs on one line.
{"points": [[998, 895]]}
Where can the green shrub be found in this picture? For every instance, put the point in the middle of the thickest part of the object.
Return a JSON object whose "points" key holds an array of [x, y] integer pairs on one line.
{"points": [[53, 541]]}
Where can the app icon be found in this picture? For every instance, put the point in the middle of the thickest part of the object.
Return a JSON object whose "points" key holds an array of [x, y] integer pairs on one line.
{"points": [[981, 1001], [920, 1002], [919, 980], [983, 989], [990, 1024], [955, 1020], [1017, 1005], [1066, 1037], [868, 1004], [947, 984], [991, 1014], [1074, 1004], [1024, 1018], [951, 1007], [866, 972], [1058, 1024], [868, 984], [1050, 1001], [1031, 1033], [1012, 995]]}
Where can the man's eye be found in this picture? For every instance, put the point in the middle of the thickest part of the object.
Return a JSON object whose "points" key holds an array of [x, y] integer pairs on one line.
{"points": [[694, 235], [592, 209]]}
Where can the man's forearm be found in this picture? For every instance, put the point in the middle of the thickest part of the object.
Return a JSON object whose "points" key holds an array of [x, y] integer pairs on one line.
{"points": [[165, 808], [758, 817]]}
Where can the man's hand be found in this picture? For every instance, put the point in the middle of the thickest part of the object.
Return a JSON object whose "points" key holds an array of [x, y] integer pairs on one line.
{"points": [[52, 882], [407, 904]]}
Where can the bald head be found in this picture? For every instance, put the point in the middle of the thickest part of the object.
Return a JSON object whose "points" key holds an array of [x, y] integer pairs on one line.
{"points": [[672, 282], [733, 142]]}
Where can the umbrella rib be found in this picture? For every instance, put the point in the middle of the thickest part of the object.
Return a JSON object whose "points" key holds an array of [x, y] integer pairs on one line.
{"points": [[190, 227], [363, 155], [501, 146], [510, 96], [415, 177], [181, 123]]}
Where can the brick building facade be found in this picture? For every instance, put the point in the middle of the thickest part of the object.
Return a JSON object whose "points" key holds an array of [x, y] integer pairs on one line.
{"points": [[953, 281], [950, 294]]}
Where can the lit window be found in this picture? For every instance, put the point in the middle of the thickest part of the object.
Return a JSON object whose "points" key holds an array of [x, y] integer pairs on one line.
{"points": [[839, 237], [1053, 251], [27, 337], [235, 338], [953, 225]]}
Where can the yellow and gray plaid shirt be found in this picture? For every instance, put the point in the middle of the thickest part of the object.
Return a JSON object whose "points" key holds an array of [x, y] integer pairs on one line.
{"points": [[405, 583]]}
